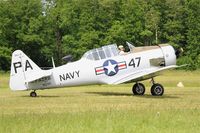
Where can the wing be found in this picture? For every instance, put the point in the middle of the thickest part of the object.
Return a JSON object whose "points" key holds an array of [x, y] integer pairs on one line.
{"points": [[142, 74]]}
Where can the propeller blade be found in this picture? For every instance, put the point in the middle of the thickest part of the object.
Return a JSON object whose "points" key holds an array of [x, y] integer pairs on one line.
{"points": [[178, 52]]}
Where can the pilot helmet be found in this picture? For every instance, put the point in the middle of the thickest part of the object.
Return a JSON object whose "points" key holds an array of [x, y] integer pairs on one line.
{"points": [[121, 46]]}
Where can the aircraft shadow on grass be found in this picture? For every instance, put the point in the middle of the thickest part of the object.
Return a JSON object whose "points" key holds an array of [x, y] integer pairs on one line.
{"points": [[129, 94], [113, 94], [43, 96]]}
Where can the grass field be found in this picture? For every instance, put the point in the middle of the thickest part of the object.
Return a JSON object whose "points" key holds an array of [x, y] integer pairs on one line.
{"points": [[104, 108]]}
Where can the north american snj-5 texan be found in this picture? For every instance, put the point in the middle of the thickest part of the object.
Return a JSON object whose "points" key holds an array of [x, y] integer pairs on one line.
{"points": [[103, 65]]}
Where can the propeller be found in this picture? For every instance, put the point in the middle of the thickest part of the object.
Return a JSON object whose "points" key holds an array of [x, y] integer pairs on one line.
{"points": [[67, 58], [178, 52]]}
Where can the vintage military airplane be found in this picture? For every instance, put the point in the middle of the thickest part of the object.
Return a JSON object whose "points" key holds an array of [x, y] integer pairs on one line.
{"points": [[97, 66]]}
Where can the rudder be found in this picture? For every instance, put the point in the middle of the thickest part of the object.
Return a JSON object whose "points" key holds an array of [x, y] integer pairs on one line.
{"points": [[21, 66]]}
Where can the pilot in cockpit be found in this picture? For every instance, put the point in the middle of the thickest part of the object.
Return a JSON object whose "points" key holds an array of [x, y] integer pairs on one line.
{"points": [[121, 50]]}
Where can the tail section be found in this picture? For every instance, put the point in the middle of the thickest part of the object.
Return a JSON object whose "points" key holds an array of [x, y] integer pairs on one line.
{"points": [[21, 66]]}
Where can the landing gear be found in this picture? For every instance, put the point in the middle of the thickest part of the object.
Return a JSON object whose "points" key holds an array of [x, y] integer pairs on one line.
{"points": [[138, 89], [33, 94], [157, 90]]}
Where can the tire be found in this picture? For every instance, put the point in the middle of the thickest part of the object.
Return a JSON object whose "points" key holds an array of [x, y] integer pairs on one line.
{"points": [[138, 89], [33, 94], [157, 90]]}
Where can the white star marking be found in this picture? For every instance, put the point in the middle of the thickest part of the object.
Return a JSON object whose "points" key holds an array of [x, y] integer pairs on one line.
{"points": [[111, 67]]}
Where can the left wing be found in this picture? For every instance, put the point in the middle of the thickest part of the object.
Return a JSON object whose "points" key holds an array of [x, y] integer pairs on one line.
{"points": [[142, 74]]}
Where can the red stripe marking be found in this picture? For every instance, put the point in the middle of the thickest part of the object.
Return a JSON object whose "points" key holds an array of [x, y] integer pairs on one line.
{"points": [[122, 65], [99, 70]]}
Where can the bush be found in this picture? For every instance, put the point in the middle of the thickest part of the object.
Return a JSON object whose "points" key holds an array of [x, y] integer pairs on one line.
{"points": [[192, 64]]}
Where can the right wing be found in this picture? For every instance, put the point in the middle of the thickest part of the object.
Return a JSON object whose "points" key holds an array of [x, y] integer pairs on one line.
{"points": [[142, 74]]}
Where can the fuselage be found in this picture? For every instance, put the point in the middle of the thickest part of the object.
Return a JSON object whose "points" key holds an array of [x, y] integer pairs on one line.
{"points": [[108, 70]]}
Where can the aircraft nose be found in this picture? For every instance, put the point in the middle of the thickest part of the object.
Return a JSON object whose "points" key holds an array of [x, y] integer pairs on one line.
{"points": [[169, 55]]}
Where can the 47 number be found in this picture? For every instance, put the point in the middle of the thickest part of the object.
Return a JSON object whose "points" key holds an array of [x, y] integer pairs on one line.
{"points": [[135, 62]]}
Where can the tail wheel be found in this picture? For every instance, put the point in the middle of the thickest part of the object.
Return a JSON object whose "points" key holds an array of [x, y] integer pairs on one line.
{"points": [[157, 90], [138, 89], [33, 94]]}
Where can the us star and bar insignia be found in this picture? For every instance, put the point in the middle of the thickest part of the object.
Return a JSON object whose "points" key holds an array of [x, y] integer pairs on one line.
{"points": [[110, 67]]}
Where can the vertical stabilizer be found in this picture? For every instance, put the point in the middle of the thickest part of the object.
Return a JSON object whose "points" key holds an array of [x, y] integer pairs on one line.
{"points": [[21, 66]]}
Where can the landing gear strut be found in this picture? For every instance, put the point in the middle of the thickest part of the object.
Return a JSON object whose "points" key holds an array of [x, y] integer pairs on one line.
{"points": [[33, 94]]}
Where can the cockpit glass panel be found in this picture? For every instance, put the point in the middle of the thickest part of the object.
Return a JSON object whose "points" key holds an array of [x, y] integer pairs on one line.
{"points": [[114, 51], [107, 52], [102, 53], [89, 56], [95, 55]]}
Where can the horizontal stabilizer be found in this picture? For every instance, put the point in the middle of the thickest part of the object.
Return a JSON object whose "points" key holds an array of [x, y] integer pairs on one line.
{"points": [[37, 75]]}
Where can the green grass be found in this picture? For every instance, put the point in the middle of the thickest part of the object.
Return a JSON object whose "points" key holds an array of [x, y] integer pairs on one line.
{"points": [[104, 108]]}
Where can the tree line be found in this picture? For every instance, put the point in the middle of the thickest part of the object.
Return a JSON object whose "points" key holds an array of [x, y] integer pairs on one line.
{"points": [[55, 28]]}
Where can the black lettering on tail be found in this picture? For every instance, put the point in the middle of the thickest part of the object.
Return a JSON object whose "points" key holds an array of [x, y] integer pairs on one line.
{"points": [[28, 65], [17, 65]]}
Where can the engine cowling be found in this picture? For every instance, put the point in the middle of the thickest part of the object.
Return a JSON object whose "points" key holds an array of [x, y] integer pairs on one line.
{"points": [[169, 54]]}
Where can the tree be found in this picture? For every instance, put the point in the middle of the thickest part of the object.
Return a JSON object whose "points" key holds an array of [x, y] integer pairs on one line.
{"points": [[54, 28], [173, 28], [193, 32], [23, 27]]}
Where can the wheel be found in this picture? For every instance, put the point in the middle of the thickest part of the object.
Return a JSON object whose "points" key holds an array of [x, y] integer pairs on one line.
{"points": [[33, 94], [138, 89], [157, 90]]}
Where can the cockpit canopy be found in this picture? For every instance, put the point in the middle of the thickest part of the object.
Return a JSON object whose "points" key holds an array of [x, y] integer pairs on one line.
{"points": [[102, 53]]}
